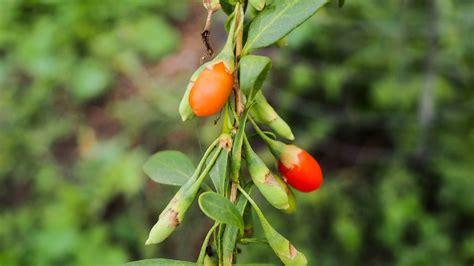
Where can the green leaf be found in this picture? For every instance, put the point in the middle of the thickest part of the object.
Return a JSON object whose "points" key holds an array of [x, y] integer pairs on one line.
{"points": [[258, 4], [279, 19], [169, 168], [236, 155], [253, 72], [341, 3], [219, 171], [90, 79], [219, 208], [161, 38], [158, 262]]}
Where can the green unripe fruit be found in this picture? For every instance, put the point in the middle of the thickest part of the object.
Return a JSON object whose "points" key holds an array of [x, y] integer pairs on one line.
{"points": [[174, 213], [275, 191], [264, 113]]}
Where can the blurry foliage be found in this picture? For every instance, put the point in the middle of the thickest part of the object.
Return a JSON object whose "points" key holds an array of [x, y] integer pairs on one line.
{"points": [[71, 182], [79, 114]]}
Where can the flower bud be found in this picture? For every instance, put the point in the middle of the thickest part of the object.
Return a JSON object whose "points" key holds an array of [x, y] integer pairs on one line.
{"points": [[212, 5], [272, 187], [264, 113]]}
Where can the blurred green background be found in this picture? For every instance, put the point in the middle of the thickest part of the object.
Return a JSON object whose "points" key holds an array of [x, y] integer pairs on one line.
{"points": [[381, 92]]}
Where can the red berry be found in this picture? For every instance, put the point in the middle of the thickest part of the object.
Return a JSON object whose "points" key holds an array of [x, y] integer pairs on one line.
{"points": [[303, 173]]}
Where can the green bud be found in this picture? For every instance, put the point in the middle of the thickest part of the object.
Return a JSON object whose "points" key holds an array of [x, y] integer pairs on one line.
{"points": [[264, 113], [212, 5], [272, 187], [287, 253], [210, 261], [174, 213]]}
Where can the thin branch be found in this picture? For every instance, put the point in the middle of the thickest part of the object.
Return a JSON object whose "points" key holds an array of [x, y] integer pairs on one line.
{"points": [[239, 107]]}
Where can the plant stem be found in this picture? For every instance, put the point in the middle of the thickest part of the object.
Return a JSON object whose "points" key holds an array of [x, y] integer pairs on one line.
{"points": [[233, 192], [202, 253], [209, 166], [239, 107], [205, 156], [206, 35], [254, 205], [259, 131]]}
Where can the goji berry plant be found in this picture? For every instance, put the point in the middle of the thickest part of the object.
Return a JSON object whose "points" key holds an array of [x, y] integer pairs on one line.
{"points": [[230, 84]]}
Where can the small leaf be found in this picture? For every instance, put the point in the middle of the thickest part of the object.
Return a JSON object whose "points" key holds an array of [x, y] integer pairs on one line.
{"points": [[258, 4], [90, 79], [219, 171], [276, 21], [253, 72], [219, 208], [236, 154], [159, 262], [341, 3], [169, 168]]}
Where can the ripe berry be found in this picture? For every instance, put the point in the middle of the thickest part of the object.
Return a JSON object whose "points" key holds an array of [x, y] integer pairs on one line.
{"points": [[300, 169], [210, 91]]}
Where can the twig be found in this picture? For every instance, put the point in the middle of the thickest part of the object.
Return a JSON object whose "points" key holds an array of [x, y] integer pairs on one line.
{"points": [[233, 192], [238, 50], [206, 35]]}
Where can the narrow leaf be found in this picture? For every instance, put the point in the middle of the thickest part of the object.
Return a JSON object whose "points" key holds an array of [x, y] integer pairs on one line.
{"points": [[169, 168], [279, 19], [220, 209], [236, 155], [159, 262], [253, 72], [219, 171]]}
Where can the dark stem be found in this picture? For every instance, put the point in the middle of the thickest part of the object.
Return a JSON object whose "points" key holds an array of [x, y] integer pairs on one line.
{"points": [[206, 35]]}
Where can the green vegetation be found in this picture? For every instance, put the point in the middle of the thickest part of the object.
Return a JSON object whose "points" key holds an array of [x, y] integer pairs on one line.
{"points": [[381, 92]]}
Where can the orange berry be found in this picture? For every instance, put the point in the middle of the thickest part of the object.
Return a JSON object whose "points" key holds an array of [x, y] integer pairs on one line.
{"points": [[211, 90]]}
